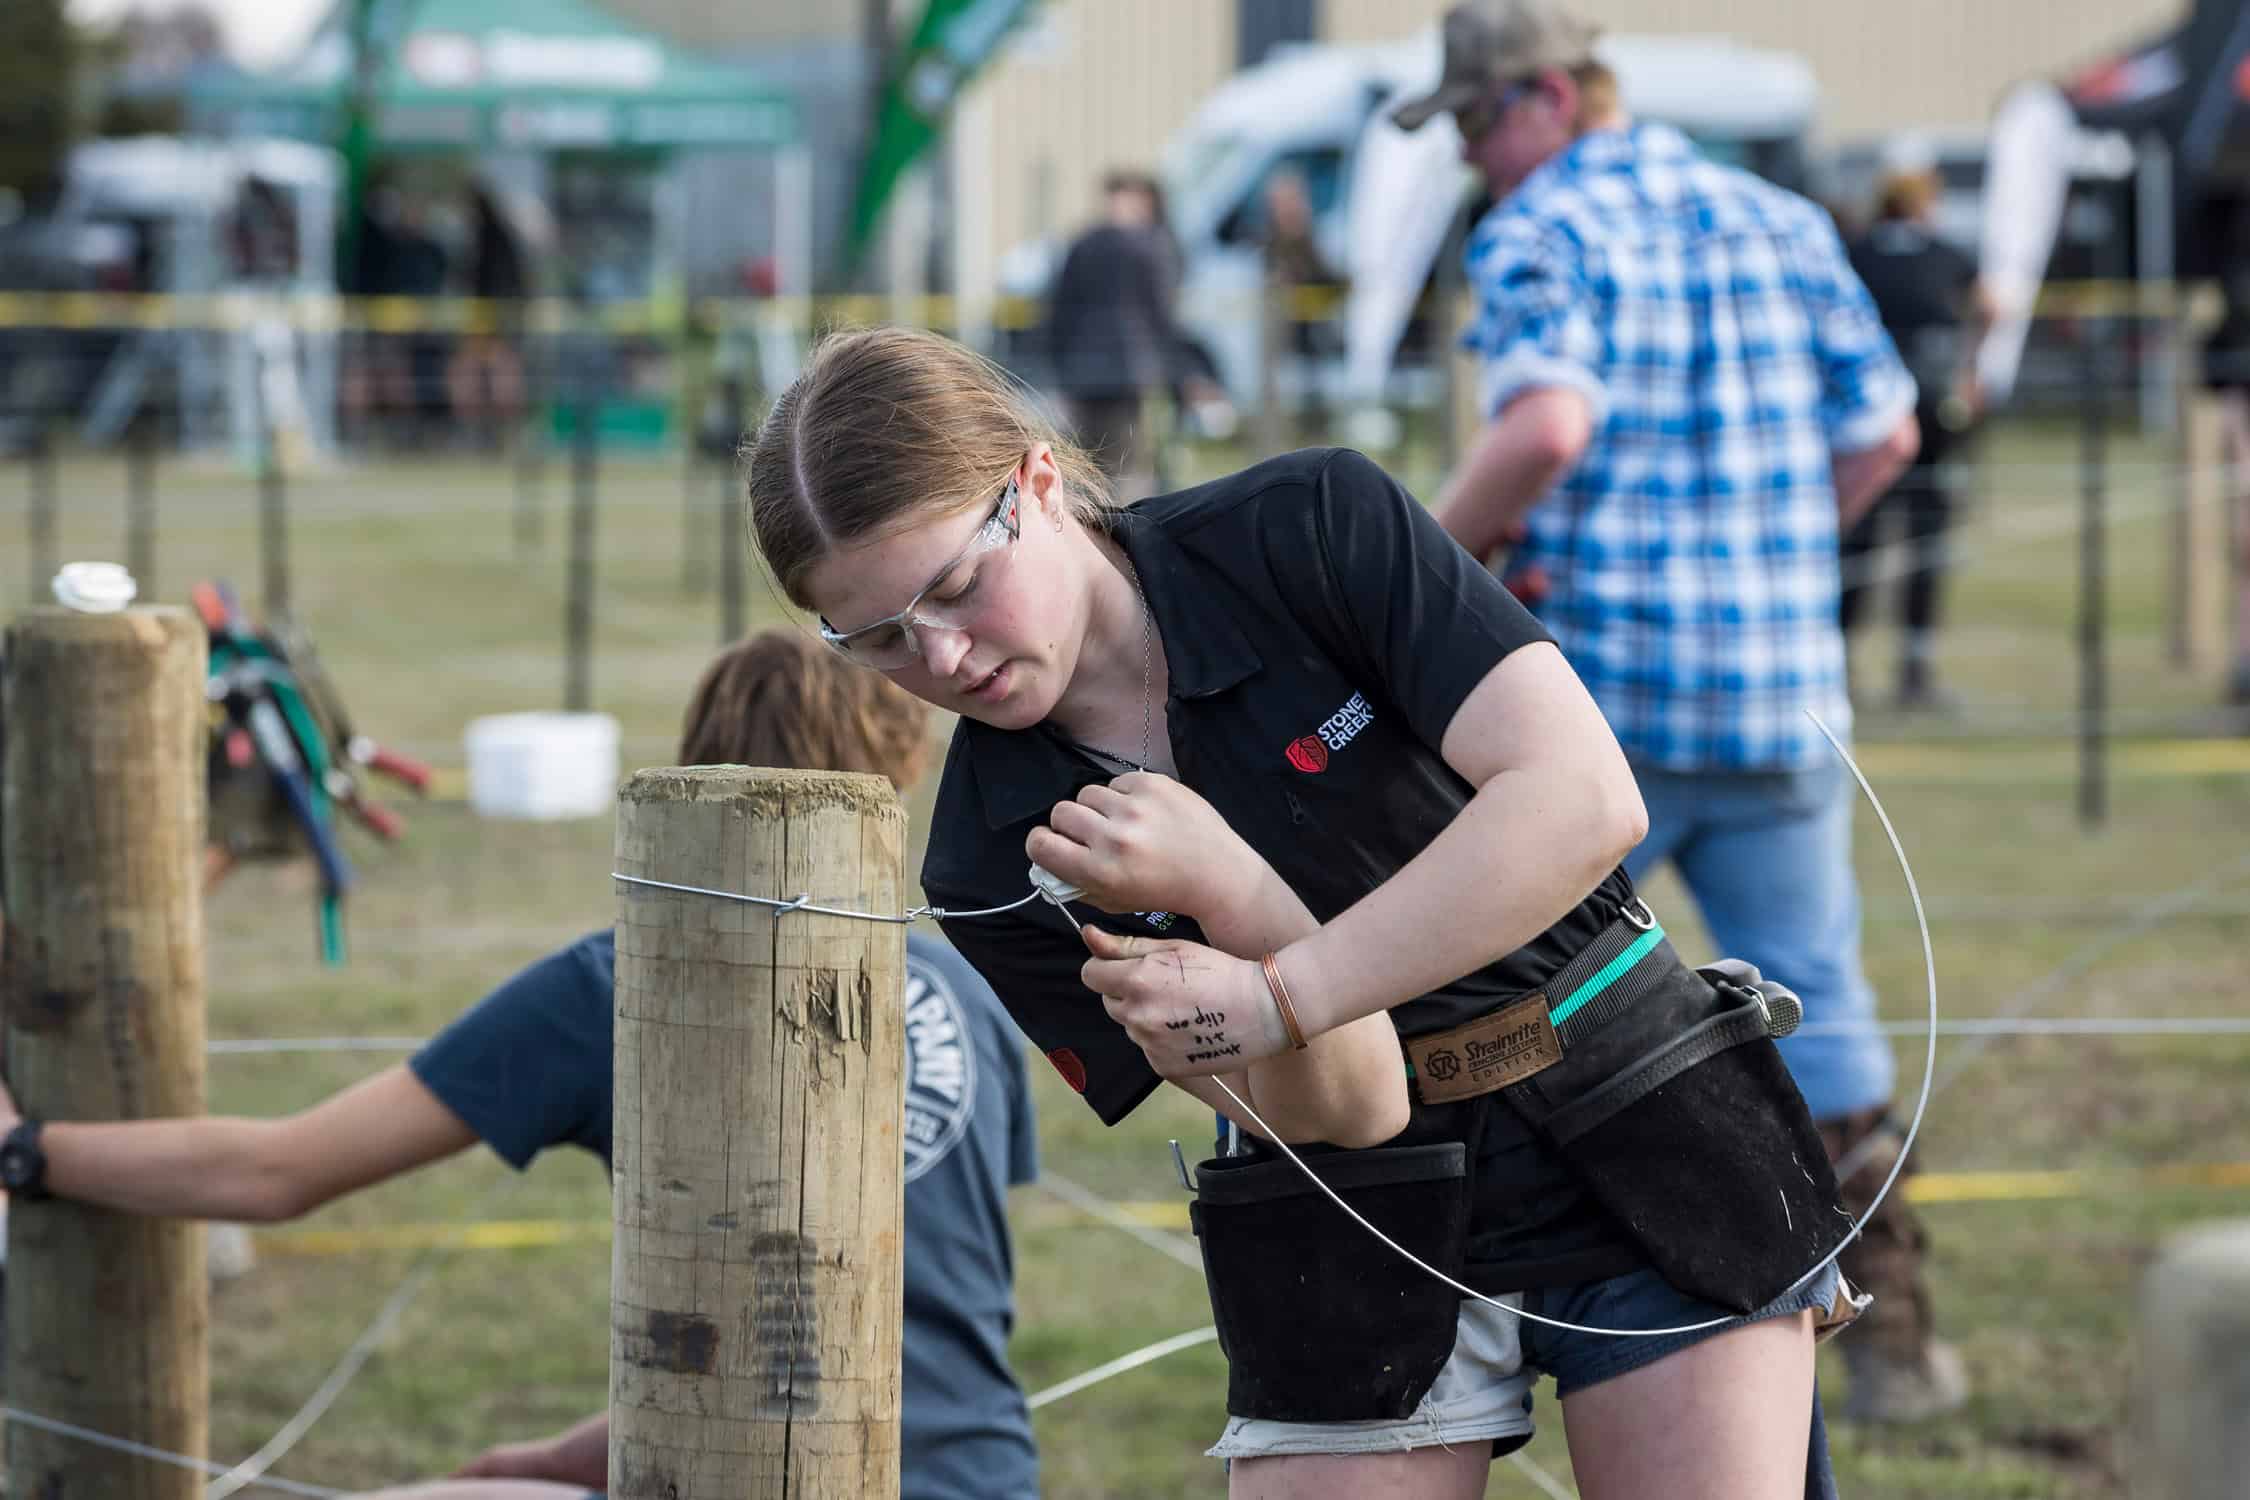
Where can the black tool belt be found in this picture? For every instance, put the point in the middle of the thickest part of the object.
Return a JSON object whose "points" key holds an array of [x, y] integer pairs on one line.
{"points": [[1660, 1088]]}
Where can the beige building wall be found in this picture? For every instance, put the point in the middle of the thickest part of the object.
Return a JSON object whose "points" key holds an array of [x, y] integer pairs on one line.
{"points": [[1092, 84], [1882, 64]]}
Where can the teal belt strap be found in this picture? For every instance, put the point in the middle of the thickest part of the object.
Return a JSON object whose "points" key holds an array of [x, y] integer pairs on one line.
{"points": [[1605, 977], [1616, 969]]}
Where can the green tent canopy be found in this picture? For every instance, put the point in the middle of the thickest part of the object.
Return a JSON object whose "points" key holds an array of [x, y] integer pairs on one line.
{"points": [[536, 75]]}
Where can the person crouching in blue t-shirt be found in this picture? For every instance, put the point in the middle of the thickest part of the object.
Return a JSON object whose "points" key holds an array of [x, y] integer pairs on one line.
{"points": [[528, 1067]]}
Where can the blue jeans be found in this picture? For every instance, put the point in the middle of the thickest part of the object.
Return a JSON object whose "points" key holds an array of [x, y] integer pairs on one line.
{"points": [[1768, 857]]}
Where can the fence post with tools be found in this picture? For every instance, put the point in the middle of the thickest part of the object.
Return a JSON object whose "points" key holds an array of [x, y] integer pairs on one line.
{"points": [[102, 982]]}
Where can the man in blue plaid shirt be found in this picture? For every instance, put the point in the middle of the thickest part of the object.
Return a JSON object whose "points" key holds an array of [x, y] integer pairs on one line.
{"points": [[1688, 395]]}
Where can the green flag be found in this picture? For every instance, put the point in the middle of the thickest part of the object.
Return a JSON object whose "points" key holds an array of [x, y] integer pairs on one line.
{"points": [[954, 39]]}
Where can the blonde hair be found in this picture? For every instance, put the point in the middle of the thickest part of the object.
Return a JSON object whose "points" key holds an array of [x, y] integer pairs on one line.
{"points": [[779, 699], [887, 427], [1598, 97], [1907, 195]]}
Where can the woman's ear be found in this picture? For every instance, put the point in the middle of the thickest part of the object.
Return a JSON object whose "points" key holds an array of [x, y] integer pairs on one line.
{"points": [[1043, 481]]}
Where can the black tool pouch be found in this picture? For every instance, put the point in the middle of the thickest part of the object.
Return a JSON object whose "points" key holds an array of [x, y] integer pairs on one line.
{"points": [[1319, 1320], [1678, 1114]]}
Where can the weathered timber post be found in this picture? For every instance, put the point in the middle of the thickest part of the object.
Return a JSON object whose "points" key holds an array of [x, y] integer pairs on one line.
{"points": [[101, 979], [755, 1286]]}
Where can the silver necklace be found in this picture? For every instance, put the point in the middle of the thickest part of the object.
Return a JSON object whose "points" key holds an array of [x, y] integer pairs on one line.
{"points": [[1148, 682]]}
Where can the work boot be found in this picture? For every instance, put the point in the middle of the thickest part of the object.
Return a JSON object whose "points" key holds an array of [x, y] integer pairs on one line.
{"points": [[1883, 1389], [1900, 1371]]}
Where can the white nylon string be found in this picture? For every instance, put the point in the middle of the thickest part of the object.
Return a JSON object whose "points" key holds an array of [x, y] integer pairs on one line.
{"points": [[87, 1435], [1929, 961], [804, 903], [1148, 1354], [251, 1471]]}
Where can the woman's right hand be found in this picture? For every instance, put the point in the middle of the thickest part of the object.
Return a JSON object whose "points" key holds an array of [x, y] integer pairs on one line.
{"points": [[1144, 842]]}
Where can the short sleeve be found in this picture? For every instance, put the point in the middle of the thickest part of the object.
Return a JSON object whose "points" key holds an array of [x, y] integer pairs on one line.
{"points": [[528, 1066], [1533, 324], [1865, 390], [1432, 622], [1032, 961]]}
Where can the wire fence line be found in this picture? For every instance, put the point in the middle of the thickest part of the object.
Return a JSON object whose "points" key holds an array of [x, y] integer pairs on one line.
{"points": [[2077, 962]]}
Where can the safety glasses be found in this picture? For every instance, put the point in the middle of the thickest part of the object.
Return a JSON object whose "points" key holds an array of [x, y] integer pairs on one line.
{"points": [[1479, 119], [891, 642]]}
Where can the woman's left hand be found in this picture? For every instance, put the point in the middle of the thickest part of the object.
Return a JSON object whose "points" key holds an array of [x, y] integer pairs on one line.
{"points": [[1145, 842], [1192, 1010]]}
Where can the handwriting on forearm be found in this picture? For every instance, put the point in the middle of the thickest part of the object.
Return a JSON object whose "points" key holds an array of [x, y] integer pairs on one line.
{"points": [[1213, 1054]]}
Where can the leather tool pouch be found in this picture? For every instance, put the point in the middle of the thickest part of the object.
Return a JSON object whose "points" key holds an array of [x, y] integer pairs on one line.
{"points": [[1319, 1320], [1677, 1113]]}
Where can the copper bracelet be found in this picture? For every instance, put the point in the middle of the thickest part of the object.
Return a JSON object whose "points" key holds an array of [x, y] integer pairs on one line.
{"points": [[1280, 991]]}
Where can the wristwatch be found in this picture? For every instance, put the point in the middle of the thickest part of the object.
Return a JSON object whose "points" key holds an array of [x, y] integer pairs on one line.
{"points": [[23, 1166]]}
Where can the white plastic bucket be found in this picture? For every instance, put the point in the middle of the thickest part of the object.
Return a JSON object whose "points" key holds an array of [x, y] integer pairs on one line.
{"points": [[542, 766]]}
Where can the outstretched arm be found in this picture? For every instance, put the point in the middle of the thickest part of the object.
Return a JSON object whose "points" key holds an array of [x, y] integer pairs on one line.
{"points": [[256, 1171]]}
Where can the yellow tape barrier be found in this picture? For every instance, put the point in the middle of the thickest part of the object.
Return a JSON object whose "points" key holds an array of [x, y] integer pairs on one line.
{"points": [[314, 312], [1924, 1188], [1910, 761]]}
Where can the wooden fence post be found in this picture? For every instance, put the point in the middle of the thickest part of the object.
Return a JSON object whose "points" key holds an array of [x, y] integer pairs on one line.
{"points": [[2194, 1388], [756, 1270], [101, 978]]}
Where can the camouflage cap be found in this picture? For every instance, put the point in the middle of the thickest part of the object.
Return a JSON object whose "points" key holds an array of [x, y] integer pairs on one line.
{"points": [[1492, 42]]}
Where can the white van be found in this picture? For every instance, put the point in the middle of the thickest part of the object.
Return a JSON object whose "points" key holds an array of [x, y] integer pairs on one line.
{"points": [[1383, 201]]}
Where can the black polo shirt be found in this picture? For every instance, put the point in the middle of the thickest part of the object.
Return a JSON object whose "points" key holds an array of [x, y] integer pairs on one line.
{"points": [[1321, 631]]}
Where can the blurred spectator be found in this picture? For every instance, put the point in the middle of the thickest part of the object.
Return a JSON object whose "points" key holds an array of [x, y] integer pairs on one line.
{"points": [[1110, 327], [1925, 293], [396, 380], [2226, 370], [1688, 394], [260, 232], [1293, 263], [485, 378]]}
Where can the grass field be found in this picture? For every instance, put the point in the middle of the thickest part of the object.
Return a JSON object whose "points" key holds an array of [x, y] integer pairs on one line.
{"points": [[406, 575]]}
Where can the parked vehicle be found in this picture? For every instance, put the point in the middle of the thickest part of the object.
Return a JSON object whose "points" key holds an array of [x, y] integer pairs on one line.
{"points": [[1320, 112]]}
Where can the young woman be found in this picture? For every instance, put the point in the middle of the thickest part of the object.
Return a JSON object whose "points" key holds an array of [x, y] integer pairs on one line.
{"points": [[1329, 795]]}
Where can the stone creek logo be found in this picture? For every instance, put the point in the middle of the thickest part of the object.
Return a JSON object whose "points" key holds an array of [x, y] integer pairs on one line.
{"points": [[941, 1072], [1311, 753]]}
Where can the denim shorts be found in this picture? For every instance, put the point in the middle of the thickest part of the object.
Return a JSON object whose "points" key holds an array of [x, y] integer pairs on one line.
{"points": [[1638, 1299], [1483, 1393]]}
